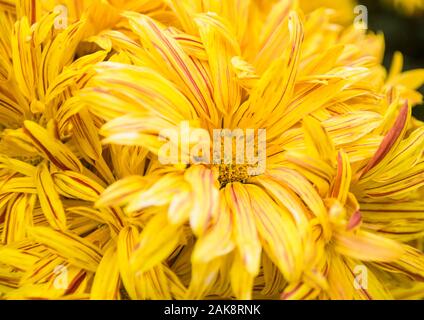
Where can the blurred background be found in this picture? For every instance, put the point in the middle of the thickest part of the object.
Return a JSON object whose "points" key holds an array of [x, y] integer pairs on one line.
{"points": [[403, 32]]}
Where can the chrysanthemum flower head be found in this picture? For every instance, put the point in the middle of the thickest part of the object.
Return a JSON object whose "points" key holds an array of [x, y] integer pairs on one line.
{"points": [[408, 7], [268, 91], [53, 166], [200, 149]]}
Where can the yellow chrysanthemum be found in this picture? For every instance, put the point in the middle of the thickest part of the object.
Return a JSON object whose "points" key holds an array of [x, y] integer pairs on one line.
{"points": [[53, 166], [409, 7], [344, 165], [238, 95]]}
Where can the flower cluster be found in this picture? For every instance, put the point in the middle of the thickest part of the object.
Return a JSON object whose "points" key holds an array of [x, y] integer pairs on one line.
{"points": [[88, 210]]}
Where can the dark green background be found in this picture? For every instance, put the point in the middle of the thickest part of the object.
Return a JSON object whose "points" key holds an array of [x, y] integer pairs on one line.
{"points": [[402, 33]]}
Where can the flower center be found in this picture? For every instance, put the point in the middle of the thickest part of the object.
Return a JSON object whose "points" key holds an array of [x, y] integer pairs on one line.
{"points": [[229, 173]]}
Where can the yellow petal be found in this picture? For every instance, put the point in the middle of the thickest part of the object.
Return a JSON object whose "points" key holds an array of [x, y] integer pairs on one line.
{"points": [[279, 236], [220, 45], [86, 134], [122, 191], [106, 280], [160, 194], [246, 234], [241, 279], [306, 192], [205, 197], [18, 218], [218, 240], [157, 241], [367, 246], [181, 67], [51, 148], [127, 241], [50, 201], [77, 250], [389, 144], [203, 278], [75, 185], [342, 181], [317, 140]]}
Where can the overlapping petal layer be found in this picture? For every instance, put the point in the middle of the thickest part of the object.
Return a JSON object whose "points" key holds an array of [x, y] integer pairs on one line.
{"points": [[89, 100]]}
